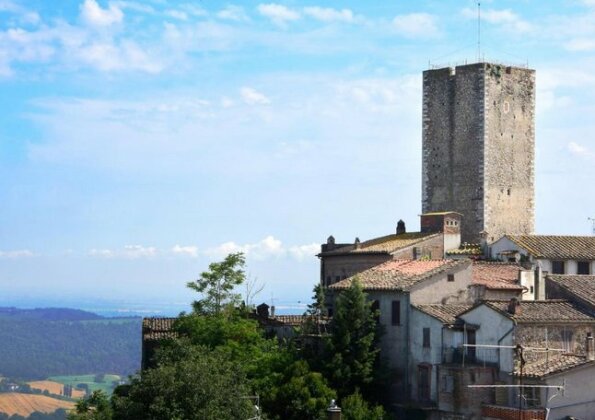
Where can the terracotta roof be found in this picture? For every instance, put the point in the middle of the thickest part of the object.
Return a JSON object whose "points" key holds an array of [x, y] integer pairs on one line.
{"points": [[384, 244], [400, 274], [281, 320], [555, 363], [446, 313], [158, 328], [543, 311], [495, 275], [583, 287], [557, 247]]}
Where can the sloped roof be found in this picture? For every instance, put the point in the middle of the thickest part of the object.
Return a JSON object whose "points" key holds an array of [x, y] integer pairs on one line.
{"points": [[446, 313], [400, 274], [384, 244], [583, 287], [555, 363], [542, 311], [159, 328], [497, 275], [466, 249], [557, 247]]}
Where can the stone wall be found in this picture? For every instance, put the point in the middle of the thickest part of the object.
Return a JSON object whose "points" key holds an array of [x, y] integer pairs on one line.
{"points": [[571, 337], [478, 141]]}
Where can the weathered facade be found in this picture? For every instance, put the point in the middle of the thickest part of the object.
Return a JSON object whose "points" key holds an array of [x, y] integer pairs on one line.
{"points": [[478, 147]]}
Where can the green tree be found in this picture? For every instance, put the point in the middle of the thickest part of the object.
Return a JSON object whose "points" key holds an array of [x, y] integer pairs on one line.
{"points": [[218, 283], [93, 407], [354, 407], [190, 382], [352, 350]]}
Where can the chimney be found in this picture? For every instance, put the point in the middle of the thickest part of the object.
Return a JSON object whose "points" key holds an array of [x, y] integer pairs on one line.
{"points": [[401, 227], [514, 307], [357, 243], [590, 348], [273, 311], [333, 411], [263, 310]]}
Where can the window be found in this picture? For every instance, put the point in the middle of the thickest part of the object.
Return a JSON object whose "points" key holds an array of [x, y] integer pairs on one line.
{"points": [[426, 338], [376, 310], [583, 267], [451, 277], [567, 341], [396, 312], [447, 383], [557, 267], [424, 378]]}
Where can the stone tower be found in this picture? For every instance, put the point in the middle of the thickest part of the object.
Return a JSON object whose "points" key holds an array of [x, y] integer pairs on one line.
{"points": [[478, 147]]}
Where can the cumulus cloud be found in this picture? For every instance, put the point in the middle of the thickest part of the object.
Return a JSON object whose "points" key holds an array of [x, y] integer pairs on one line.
{"points": [[580, 44], [177, 14], [19, 253], [253, 97], [126, 56], [302, 252], [278, 14], [581, 151], [231, 12], [416, 25], [269, 247], [325, 14], [505, 17], [93, 14], [189, 250], [128, 252]]}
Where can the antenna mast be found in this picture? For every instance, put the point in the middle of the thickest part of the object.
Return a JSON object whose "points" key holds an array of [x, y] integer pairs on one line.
{"points": [[478, 31]]}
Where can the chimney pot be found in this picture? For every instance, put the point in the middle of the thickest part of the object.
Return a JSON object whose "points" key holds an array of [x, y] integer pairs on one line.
{"points": [[401, 227], [357, 243], [514, 307]]}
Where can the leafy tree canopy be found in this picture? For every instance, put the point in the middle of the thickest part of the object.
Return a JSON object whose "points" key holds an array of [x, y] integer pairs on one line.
{"points": [[217, 285]]}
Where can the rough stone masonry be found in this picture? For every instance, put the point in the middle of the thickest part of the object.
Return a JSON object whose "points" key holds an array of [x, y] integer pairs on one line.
{"points": [[478, 147]]}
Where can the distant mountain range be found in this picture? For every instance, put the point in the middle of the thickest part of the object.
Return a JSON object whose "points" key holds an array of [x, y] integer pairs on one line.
{"points": [[37, 343]]}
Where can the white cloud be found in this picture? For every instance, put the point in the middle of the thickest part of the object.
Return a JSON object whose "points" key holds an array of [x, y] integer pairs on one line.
{"points": [[416, 25], [189, 250], [128, 252], [177, 14], [580, 44], [581, 151], [253, 97], [93, 14], [302, 252], [267, 248], [123, 57], [505, 17], [235, 13], [278, 13], [20, 253], [329, 15]]}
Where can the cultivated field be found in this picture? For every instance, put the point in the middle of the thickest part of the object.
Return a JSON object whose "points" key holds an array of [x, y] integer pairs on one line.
{"points": [[105, 386], [55, 388], [24, 404]]}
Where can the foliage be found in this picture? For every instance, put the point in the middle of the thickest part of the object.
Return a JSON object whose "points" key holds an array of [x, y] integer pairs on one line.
{"points": [[352, 350], [218, 283], [59, 414], [354, 407], [93, 407], [200, 383], [303, 394], [36, 348]]}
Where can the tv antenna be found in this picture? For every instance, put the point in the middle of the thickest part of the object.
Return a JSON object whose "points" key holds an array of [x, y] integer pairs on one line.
{"points": [[592, 220], [478, 31]]}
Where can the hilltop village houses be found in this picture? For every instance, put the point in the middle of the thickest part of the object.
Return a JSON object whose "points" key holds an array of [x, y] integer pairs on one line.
{"points": [[483, 318]]}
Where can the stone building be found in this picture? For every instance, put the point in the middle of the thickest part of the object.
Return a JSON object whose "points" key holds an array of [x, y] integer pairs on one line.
{"points": [[478, 147], [553, 254], [394, 287], [439, 232]]}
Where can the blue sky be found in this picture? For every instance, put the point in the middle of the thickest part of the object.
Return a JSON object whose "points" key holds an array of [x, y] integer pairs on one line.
{"points": [[141, 140]]}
